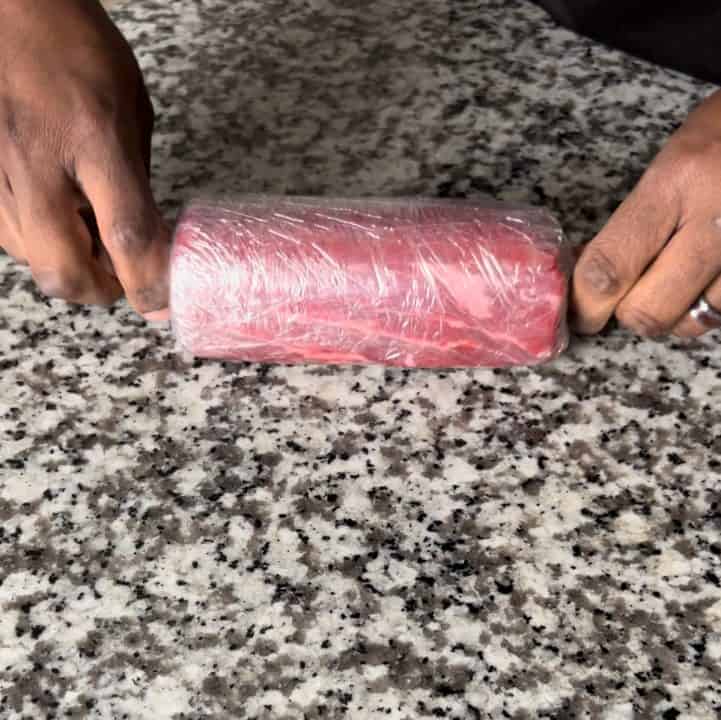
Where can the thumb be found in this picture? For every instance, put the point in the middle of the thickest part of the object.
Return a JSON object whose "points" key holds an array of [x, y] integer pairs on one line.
{"points": [[131, 227]]}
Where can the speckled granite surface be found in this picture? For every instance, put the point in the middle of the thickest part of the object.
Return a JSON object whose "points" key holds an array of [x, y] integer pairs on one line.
{"points": [[207, 541]]}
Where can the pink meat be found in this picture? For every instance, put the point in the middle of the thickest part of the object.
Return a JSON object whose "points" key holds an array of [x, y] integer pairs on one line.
{"points": [[410, 283]]}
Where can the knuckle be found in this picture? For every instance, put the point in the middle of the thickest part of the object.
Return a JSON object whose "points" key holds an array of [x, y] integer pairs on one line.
{"points": [[28, 136], [90, 124], [597, 271], [95, 116], [96, 101], [640, 321], [60, 283], [700, 254], [698, 159]]}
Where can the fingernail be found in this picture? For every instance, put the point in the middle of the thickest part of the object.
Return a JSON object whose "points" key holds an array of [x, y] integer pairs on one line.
{"points": [[599, 272], [599, 278], [157, 317]]}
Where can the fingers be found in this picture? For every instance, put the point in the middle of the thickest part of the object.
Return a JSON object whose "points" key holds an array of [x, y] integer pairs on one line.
{"points": [[685, 268], [612, 263], [692, 327], [131, 228], [55, 243], [687, 325]]}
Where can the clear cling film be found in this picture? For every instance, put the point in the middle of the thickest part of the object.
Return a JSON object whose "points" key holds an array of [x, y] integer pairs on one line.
{"points": [[407, 282]]}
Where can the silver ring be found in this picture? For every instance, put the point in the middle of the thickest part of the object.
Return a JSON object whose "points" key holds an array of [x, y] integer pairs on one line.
{"points": [[706, 314]]}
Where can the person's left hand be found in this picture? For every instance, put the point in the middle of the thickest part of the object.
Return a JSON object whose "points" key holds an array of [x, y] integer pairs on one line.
{"points": [[661, 250]]}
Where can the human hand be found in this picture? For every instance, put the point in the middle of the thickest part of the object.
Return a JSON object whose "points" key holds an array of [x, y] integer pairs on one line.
{"points": [[75, 130], [661, 250]]}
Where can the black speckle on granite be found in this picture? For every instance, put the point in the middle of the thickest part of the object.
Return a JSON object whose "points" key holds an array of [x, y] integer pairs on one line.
{"points": [[196, 540]]}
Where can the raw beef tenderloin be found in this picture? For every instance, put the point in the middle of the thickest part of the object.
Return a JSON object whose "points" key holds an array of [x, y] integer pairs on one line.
{"points": [[411, 283]]}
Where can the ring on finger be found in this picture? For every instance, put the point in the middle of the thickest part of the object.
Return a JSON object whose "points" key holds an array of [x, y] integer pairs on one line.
{"points": [[706, 314]]}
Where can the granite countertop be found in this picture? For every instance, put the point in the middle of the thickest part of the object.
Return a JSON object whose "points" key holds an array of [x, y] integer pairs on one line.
{"points": [[199, 540]]}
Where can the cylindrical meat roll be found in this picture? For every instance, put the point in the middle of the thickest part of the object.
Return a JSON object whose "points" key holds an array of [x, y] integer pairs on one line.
{"points": [[403, 282]]}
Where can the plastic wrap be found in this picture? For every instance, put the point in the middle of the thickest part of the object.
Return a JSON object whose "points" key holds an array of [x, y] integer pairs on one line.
{"points": [[402, 282]]}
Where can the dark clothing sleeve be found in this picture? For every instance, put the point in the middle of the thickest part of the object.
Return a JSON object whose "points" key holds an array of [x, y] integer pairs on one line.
{"points": [[681, 34]]}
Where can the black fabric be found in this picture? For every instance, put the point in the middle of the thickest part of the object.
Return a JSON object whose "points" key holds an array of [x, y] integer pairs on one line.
{"points": [[680, 34]]}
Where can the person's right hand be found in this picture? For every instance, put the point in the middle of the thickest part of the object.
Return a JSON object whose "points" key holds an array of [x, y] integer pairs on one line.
{"points": [[75, 129], [660, 253]]}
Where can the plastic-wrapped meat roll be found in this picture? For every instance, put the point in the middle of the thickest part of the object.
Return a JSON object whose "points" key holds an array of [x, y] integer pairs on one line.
{"points": [[403, 282]]}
